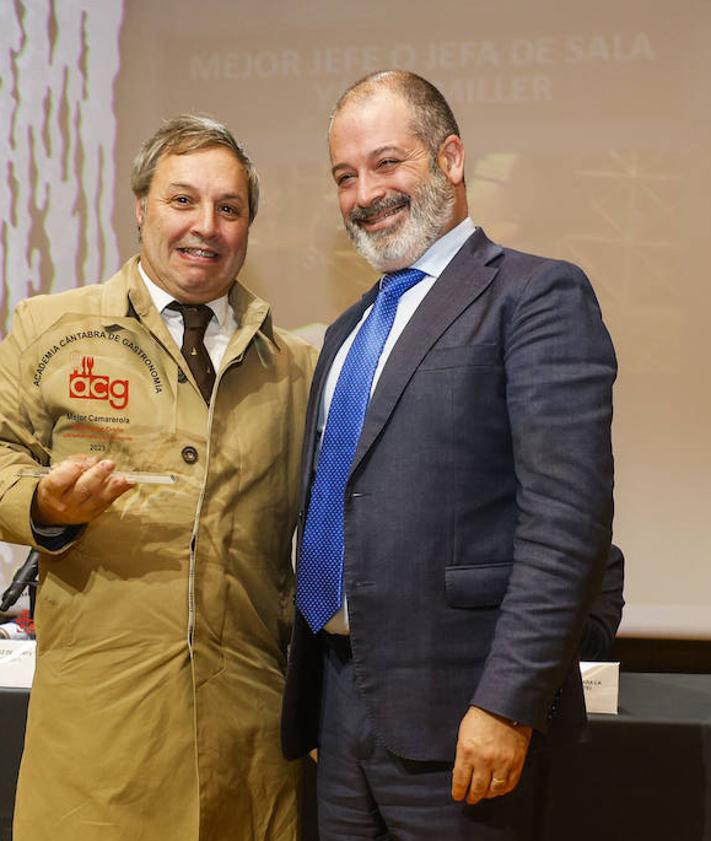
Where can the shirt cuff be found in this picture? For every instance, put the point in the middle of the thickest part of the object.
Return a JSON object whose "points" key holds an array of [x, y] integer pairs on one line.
{"points": [[54, 538]]}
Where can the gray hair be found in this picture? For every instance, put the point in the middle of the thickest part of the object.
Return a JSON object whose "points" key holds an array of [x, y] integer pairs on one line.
{"points": [[183, 135], [432, 118]]}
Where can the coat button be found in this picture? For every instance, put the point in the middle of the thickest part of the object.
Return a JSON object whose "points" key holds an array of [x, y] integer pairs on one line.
{"points": [[190, 455], [181, 376]]}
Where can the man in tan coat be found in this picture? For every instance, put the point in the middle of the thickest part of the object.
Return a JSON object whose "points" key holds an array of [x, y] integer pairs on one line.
{"points": [[163, 610]]}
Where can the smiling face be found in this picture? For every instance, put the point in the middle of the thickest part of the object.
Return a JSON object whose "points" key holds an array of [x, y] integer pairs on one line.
{"points": [[395, 200], [194, 224]]}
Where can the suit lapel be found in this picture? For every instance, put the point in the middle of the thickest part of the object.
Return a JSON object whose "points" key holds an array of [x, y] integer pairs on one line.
{"points": [[464, 279]]}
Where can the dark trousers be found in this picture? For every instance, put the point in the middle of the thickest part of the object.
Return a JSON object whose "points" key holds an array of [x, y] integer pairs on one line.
{"points": [[364, 791]]}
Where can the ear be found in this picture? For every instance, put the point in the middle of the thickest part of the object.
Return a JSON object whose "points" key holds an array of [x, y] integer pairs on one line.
{"points": [[140, 209], [451, 158]]}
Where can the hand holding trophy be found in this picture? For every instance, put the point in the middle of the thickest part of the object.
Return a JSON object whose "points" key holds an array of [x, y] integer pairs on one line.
{"points": [[76, 491]]}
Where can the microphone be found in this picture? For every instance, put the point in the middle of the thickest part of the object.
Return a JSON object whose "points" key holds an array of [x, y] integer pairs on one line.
{"points": [[25, 575]]}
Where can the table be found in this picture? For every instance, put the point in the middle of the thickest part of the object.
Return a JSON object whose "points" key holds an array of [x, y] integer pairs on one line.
{"points": [[643, 774], [13, 717]]}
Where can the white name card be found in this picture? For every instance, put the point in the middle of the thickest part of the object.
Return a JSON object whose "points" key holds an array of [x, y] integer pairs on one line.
{"points": [[17, 663], [601, 683]]}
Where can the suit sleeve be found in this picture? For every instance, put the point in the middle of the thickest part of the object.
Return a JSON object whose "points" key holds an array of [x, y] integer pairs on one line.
{"points": [[560, 367]]}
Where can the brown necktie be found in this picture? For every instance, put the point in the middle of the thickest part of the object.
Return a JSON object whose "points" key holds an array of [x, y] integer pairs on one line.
{"points": [[196, 317]]}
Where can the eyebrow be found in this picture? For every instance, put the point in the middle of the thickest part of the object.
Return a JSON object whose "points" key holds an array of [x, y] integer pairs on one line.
{"points": [[390, 147]]}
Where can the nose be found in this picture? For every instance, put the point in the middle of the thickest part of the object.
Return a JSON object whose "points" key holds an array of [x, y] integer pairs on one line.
{"points": [[369, 190], [205, 222]]}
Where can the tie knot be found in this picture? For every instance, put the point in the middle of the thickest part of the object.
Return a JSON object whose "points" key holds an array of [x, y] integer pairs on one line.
{"points": [[395, 284], [195, 316]]}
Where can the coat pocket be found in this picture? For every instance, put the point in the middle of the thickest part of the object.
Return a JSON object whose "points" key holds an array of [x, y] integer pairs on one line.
{"points": [[483, 354], [477, 585]]}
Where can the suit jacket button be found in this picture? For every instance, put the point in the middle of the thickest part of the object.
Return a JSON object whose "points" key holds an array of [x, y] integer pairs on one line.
{"points": [[189, 454]]}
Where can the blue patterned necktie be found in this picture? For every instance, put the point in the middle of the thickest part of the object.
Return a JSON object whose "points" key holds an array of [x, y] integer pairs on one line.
{"points": [[319, 578]]}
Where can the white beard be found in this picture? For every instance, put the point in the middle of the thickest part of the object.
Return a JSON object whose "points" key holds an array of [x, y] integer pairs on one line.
{"points": [[430, 211]]}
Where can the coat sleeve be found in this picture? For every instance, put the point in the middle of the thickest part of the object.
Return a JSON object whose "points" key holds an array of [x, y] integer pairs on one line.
{"points": [[19, 445], [560, 367]]}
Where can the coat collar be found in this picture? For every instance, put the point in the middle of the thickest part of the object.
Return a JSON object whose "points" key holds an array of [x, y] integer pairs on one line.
{"points": [[126, 293]]}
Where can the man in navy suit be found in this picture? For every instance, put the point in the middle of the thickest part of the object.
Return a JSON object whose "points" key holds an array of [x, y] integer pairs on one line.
{"points": [[457, 499]]}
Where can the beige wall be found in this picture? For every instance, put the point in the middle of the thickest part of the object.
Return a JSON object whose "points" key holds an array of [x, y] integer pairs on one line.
{"points": [[587, 130]]}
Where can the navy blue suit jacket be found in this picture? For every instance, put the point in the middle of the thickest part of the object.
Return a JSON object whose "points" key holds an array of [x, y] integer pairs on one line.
{"points": [[478, 510]]}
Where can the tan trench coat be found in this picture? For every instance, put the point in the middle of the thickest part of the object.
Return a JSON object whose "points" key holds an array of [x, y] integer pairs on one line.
{"points": [[162, 630]]}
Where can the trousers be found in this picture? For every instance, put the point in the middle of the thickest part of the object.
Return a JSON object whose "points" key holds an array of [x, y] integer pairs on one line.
{"points": [[367, 792]]}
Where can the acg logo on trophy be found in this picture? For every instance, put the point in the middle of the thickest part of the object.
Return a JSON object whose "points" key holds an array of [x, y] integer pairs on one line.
{"points": [[84, 384]]}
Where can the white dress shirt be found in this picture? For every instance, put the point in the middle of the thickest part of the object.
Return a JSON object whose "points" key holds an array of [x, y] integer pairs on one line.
{"points": [[220, 328], [433, 262]]}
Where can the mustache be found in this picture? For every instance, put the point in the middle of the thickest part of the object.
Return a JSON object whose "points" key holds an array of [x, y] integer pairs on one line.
{"points": [[365, 214]]}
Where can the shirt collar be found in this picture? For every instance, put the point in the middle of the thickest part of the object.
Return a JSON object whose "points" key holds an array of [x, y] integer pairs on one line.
{"points": [[438, 256], [161, 298]]}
